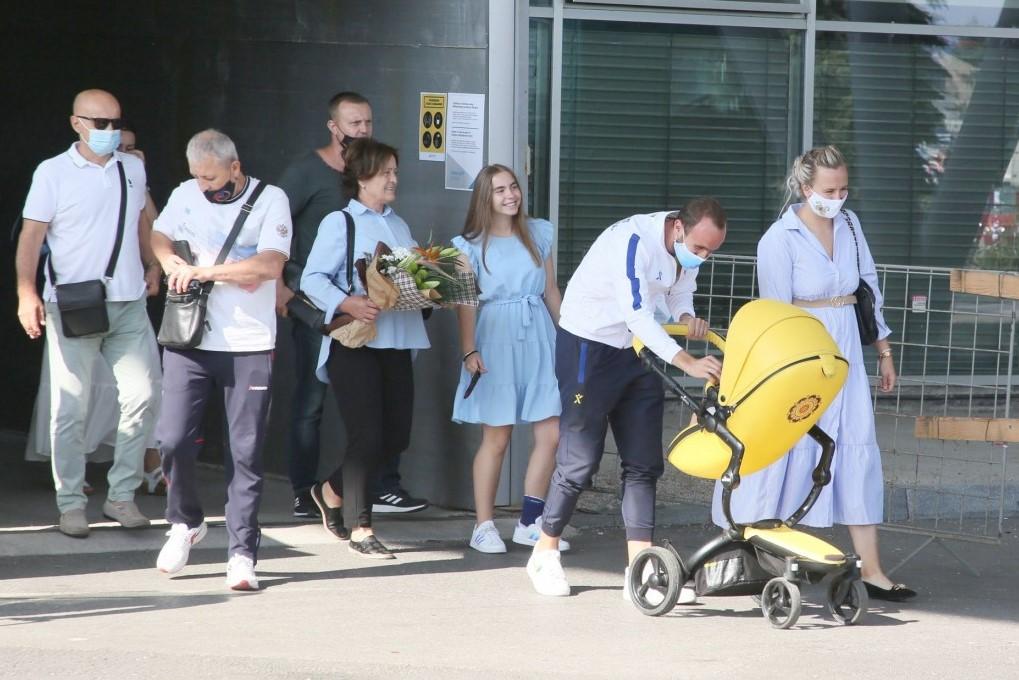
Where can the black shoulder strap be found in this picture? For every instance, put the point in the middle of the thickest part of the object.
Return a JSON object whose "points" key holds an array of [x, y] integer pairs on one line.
{"points": [[242, 217], [111, 266], [350, 251], [115, 255], [849, 220]]}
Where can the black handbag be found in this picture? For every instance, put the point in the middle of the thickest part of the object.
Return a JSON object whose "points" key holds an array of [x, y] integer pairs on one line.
{"points": [[82, 305], [866, 302], [302, 309], [184, 314]]}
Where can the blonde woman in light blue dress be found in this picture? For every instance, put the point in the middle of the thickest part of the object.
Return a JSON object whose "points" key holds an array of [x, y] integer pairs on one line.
{"points": [[809, 256], [509, 343]]}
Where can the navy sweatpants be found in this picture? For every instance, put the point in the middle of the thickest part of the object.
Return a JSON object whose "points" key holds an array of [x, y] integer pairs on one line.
{"points": [[600, 386], [190, 378]]}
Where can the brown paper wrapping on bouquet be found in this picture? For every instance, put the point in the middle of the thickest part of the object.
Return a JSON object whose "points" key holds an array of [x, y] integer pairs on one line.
{"points": [[353, 333]]}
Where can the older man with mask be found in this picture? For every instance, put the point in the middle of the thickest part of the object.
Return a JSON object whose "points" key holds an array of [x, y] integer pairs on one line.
{"points": [[313, 186], [234, 355], [85, 203]]}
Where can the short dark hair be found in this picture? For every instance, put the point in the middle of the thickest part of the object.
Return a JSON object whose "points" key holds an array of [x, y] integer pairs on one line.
{"points": [[699, 208], [348, 97], [364, 159]]}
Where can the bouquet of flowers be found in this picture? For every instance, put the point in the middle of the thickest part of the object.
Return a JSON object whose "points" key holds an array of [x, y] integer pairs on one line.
{"points": [[428, 277], [405, 279]]}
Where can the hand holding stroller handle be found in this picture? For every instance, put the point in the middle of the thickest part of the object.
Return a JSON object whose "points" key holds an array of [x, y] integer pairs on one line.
{"points": [[680, 330]]}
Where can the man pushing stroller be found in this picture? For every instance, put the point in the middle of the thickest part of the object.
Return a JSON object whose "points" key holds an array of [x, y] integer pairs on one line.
{"points": [[631, 267]]}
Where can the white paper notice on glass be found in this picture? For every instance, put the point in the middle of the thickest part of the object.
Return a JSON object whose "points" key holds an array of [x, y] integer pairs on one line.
{"points": [[465, 139]]}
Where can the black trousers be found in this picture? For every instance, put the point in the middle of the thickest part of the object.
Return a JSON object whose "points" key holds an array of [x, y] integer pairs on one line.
{"points": [[374, 390]]}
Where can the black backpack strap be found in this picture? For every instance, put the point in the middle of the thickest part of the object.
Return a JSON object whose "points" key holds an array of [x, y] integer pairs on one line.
{"points": [[242, 217], [350, 251]]}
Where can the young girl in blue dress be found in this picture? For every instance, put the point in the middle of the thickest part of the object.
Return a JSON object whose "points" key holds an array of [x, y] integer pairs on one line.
{"points": [[509, 340]]}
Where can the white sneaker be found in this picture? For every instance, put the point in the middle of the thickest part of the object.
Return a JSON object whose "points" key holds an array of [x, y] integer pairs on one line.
{"points": [[174, 554], [485, 538], [240, 573], [528, 535], [547, 575], [686, 596]]}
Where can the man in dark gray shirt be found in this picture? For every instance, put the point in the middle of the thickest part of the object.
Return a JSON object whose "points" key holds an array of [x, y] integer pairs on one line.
{"points": [[312, 184]]}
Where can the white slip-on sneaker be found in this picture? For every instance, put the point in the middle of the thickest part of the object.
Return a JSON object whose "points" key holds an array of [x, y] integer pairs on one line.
{"points": [[547, 575], [485, 538], [177, 548], [528, 535], [686, 596], [240, 573]]}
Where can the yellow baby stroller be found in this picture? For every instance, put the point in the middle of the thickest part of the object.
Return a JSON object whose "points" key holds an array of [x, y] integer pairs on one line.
{"points": [[781, 371]]}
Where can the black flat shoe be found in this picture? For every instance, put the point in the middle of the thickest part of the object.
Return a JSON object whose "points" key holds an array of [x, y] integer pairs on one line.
{"points": [[371, 548], [897, 593], [332, 518]]}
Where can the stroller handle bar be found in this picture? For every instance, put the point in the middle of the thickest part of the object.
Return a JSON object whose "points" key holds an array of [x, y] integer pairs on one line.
{"points": [[681, 330]]}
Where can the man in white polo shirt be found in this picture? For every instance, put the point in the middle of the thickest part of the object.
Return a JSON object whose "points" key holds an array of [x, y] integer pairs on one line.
{"points": [[234, 357], [74, 204], [631, 267]]}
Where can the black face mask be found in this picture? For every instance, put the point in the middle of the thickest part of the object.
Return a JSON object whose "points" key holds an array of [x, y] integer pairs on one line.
{"points": [[222, 194], [346, 140]]}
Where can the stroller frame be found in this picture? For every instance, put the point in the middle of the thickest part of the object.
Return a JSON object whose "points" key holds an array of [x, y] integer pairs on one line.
{"points": [[663, 570]]}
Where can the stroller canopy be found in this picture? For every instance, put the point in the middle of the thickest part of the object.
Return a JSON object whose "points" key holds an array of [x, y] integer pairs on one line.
{"points": [[780, 372]]}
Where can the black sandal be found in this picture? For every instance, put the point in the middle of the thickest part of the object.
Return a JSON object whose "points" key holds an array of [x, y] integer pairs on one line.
{"points": [[897, 593], [372, 548], [332, 518]]}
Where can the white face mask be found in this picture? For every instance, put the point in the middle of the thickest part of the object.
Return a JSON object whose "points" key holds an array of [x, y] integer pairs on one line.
{"points": [[825, 207]]}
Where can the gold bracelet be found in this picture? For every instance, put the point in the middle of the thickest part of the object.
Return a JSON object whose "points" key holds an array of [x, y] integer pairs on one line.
{"points": [[885, 354]]}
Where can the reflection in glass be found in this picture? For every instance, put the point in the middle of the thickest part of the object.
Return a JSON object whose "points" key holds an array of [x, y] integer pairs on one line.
{"points": [[930, 127], [655, 115], [986, 13]]}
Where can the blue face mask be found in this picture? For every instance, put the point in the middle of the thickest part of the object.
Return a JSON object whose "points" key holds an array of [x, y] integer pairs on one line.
{"points": [[687, 260], [103, 142]]}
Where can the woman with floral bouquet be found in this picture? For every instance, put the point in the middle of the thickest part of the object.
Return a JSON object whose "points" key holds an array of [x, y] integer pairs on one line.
{"points": [[374, 383], [508, 349]]}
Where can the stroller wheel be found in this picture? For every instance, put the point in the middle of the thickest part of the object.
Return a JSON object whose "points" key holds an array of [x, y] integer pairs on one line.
{"points": [[847, 600], [780, 602], [656, 577]]}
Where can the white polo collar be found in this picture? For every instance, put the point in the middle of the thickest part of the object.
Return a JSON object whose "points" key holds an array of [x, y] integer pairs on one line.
{"points": [[82, 162]]}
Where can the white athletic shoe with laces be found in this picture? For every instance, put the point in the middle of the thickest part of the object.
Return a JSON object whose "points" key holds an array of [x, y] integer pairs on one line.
{"points": [[485, 538], [528, 535], [547, 575], [240, 573], [177, 548]]}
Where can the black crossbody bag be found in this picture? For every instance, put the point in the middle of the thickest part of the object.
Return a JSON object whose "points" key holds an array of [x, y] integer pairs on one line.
{"points": [[184, 314], [82, 305], [302, 309], [866, 319]]}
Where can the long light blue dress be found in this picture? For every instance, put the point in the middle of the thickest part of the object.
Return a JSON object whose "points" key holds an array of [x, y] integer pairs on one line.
{"points": [[514, 334], [792, 263]]}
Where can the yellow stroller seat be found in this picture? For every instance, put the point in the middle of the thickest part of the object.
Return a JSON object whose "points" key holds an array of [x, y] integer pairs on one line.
{"points": [[781, 371]]}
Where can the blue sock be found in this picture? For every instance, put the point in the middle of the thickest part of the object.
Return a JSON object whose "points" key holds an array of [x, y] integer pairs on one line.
{"points": [[531, 510]]}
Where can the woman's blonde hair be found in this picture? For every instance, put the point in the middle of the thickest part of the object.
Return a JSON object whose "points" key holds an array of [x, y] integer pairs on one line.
{"points": [[480, 214], [804, 170]]}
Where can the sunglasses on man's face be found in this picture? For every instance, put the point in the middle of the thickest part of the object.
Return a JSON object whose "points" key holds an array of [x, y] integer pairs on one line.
{"points": [[103, 123]]}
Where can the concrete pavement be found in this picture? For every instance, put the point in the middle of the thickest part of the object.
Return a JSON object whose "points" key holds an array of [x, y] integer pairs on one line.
{"points": [[97, 608]]}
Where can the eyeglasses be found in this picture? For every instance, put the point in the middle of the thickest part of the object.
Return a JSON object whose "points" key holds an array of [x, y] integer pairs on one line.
{"points": [[103, 123]]}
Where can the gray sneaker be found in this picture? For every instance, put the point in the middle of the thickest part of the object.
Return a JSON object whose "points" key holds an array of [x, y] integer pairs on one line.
{"points": [[126, 513], [74, 524]]}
